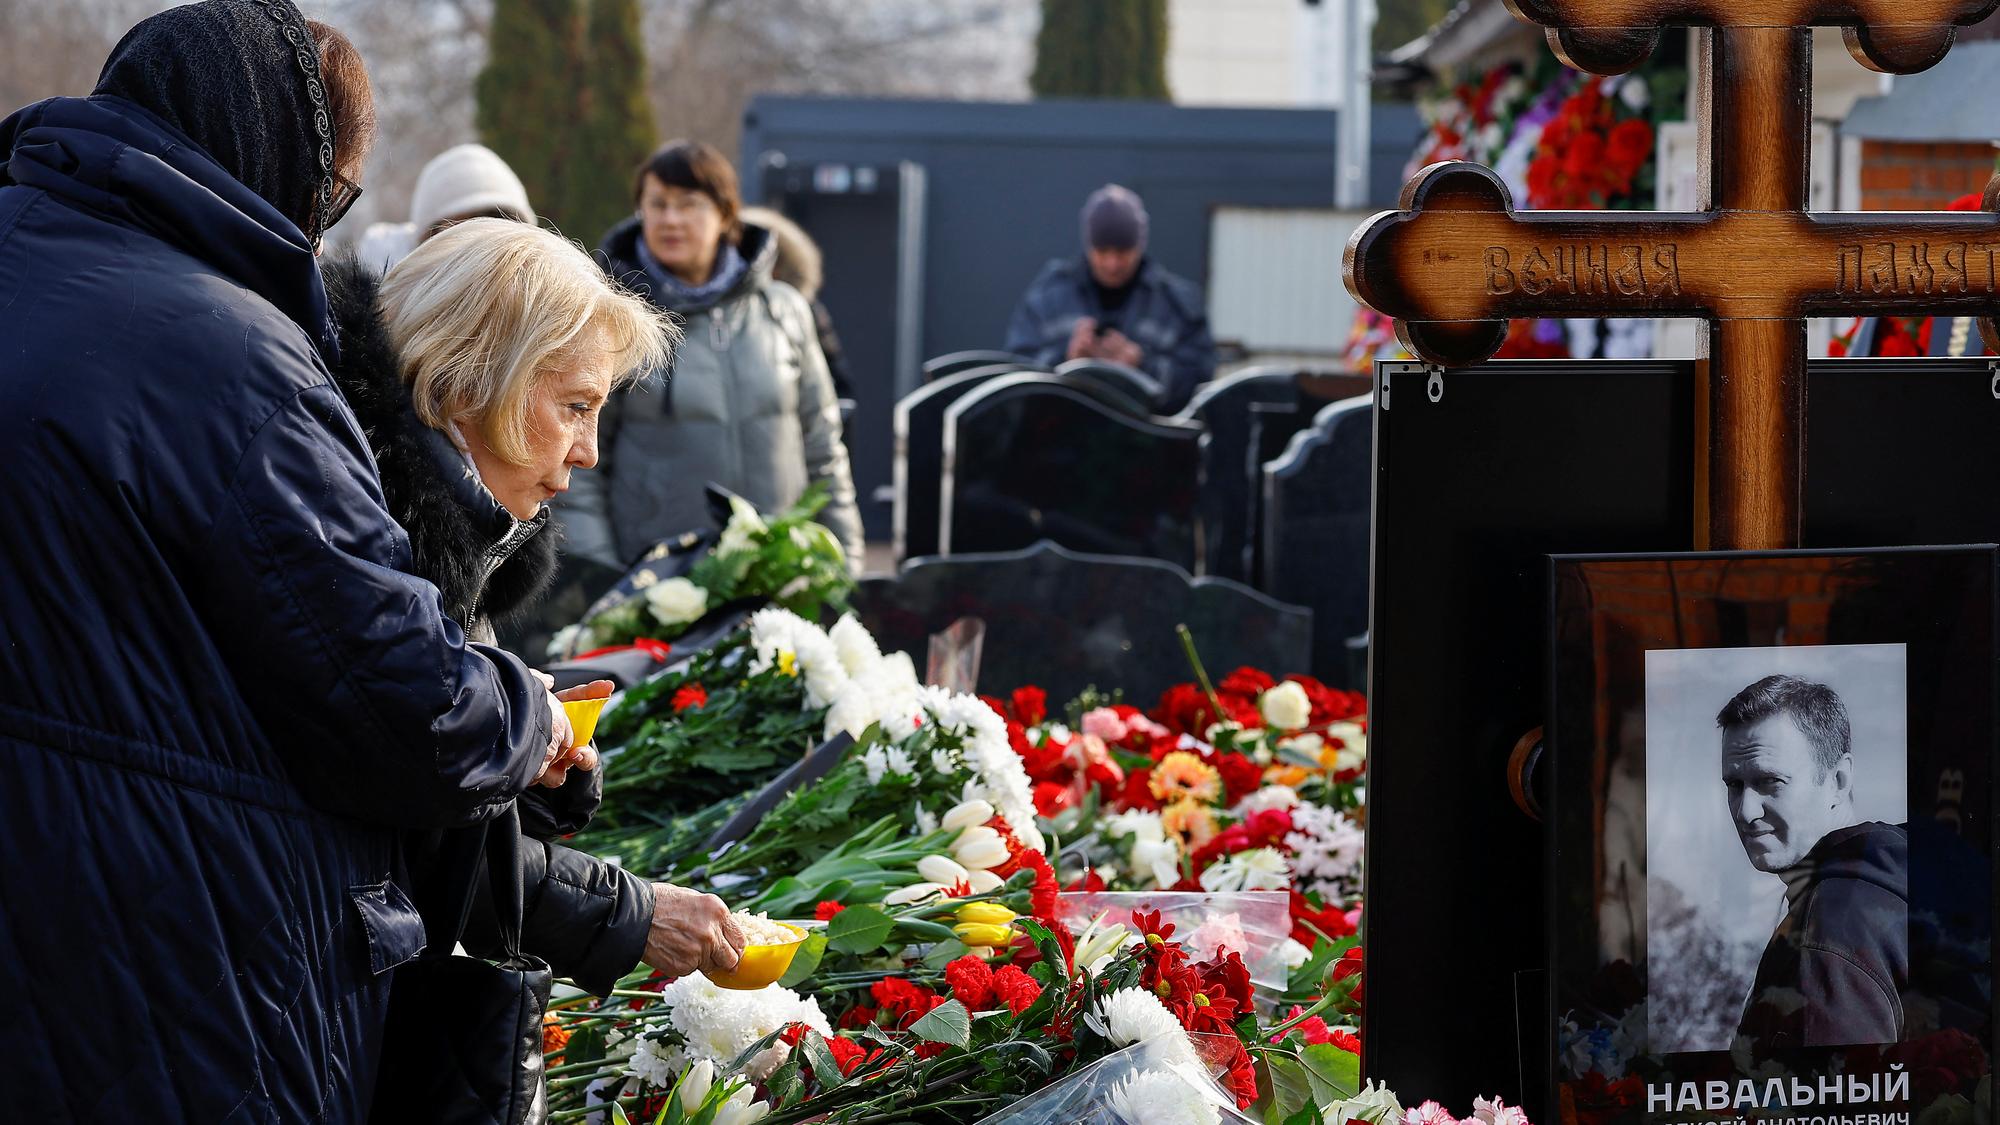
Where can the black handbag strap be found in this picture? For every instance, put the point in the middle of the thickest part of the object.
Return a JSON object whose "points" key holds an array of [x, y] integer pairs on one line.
{"points": [[503, 873]]}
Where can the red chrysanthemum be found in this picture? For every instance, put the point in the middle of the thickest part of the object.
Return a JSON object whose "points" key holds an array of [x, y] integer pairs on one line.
{"points": [[1015, 988], [1239, 1073], [971, 982], [690, 697], [826, 910]]}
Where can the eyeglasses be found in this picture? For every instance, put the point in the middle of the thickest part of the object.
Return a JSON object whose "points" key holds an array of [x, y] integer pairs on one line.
{"points": [[345, 192]]}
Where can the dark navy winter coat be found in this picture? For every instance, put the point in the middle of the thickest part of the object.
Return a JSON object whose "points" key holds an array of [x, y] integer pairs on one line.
{"points": [[221, 694]]}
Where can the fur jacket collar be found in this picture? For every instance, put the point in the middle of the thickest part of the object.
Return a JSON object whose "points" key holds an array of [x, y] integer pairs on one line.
{"points": [[489, 566]]}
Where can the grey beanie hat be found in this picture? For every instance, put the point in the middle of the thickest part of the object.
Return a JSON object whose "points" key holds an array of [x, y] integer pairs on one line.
{"points": [[1114, 219]]}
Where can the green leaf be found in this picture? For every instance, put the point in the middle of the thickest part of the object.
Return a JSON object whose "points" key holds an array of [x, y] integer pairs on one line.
{"points": [[821, 1057], [805, 962], [1335, 1074], [1291, 1088], [948, 1023], [944, 953], [858, 929], [787, 1085], [618, 1115]]}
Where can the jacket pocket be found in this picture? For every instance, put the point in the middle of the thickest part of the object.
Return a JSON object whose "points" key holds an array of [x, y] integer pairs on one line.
{"points": [[395, 930]]}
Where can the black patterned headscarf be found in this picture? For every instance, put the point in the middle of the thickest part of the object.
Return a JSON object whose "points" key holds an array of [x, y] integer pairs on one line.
{"points": [[241, 78]]}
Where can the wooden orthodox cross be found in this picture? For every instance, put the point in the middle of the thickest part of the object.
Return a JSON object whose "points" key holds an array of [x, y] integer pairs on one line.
{"points": [[1457, 260]]}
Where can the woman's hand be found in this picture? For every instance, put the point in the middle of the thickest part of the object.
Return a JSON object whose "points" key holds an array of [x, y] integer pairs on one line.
{"points": [[555, 770], [691, 932]]}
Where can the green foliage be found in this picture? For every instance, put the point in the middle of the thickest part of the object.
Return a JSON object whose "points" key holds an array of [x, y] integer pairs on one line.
{"points": [[1102, 49], [947, 1023], [562, 99], [858, 929]]}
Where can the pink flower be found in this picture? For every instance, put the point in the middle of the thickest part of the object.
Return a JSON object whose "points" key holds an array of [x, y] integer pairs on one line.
{"points": [[1104, 723], [1497, 1112], [1429, 1113]]}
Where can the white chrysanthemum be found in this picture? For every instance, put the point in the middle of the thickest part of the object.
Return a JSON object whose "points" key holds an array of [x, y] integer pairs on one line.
{"points": [[774, 632], [898, 761], [1139, 824], [1001, 779], [1256, 869], [719, 1024], [852, 711], [651, 1064], [946, 762], [875, 760], [858, 651], [1161, 1097], [1135, 1015], [1267, 798], [1159, 860], [1327, 850]]}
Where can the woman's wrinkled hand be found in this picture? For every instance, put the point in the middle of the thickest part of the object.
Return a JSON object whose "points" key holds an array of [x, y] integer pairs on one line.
{"points": [[691, 932], [556, 767]]}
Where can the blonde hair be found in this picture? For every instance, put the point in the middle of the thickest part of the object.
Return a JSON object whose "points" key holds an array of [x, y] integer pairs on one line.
{"points": [[798, 262], [480, 312]]}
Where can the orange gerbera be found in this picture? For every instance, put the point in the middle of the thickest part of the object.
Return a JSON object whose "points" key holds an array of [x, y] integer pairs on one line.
{"points": [[1192, 821], [1182, 776], [554, 1035]]}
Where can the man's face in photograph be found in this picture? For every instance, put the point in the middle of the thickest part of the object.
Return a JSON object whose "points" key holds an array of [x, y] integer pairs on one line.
{"points": [[1782, 800]]}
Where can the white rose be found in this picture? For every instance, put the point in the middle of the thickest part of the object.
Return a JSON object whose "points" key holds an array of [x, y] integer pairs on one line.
{"points": [[676, 601], [1286, 707]]}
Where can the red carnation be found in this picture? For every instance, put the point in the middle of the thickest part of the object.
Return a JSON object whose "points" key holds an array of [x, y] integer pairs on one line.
{"points": [[691, 697], [847, 1054], [857, 1017], [903, 1001], [826, 910], [1183, 709], [1137, 792], [1030, 706], [1240, 776], [1267, 828], [1246, 681], [971, 982], [1345, 1040], [1015, 988], [1630, 146]]}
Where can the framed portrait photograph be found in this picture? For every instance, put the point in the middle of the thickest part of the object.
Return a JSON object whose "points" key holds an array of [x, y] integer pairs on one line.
{"points": [[1770, 786]]}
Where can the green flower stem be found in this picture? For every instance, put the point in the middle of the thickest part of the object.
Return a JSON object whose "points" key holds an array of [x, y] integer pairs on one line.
{"points": [[1279, 1031], [1201, 673]]}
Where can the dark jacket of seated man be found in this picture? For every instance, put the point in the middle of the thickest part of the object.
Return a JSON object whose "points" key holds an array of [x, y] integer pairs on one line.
{"points": [[1834, 972]]}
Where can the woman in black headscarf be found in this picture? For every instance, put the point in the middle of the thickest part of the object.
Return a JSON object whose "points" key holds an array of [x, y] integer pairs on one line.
{"points": [[223, 698]]}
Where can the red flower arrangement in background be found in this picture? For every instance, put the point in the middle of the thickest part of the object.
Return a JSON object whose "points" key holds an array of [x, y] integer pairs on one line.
{"points": [[1588, 158]]}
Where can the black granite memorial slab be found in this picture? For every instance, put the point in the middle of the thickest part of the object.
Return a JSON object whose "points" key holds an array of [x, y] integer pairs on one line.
{"points": [[1033, 457], [1066, 620], [1314, 520], [1231, 475]]}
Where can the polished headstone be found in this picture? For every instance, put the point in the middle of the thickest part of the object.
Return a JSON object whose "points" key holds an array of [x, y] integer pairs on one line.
{"points": [[1231, 476], [955, 362], [1315, 528], [1032, 457], [1132, 382], [1065, 620], [919, 471]]}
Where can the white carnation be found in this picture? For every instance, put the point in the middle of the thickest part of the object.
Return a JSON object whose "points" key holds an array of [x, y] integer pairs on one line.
{"points": [[1266, 798], [1257, 869]]}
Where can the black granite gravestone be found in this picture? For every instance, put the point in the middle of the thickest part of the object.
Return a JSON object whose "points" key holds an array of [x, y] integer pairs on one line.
{"points": [[1314, 529], [955, 362], [1231, 477], [1132, 382], [1032, 457], [919, 471], [1065, 620]]}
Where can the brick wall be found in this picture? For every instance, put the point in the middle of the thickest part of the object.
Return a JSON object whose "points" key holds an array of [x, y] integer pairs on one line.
{"points": [[1916, 176]]}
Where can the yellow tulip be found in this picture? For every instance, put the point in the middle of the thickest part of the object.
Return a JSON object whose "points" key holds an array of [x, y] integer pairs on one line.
{"points": [[981, 933], [985, 914]]}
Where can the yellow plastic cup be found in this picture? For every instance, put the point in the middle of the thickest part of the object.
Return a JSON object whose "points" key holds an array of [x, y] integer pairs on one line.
{"points": [[583, 717], [761, 964]]}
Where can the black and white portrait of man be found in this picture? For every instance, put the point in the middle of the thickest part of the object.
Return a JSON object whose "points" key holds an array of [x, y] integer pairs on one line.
{"points": [[1777, 905]]}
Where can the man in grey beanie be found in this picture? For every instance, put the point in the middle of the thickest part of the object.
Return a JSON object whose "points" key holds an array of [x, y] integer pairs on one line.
{"points": [[1117, 304]]}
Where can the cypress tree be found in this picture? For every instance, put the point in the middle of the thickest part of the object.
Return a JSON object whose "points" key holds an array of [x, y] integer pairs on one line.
{"points": [[1102, 49], [527, 94], [618, 128]]}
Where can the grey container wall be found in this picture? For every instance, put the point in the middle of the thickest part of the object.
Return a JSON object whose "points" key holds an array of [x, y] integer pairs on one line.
{"points": [[1003, 183]]}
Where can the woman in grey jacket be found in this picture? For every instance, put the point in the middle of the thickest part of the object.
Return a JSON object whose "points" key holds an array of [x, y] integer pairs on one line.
{"points": [[747, 403]]}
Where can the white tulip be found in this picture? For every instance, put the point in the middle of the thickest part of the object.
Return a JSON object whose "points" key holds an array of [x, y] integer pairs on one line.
{"points": [[982, 853], [915, 892], [943, 871], [985, 882], [694, 1087], [740, 1110], [971, 814]]}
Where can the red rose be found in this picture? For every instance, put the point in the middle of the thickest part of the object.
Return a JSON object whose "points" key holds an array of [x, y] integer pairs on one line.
{"points": [[1030, 706], [826, 910], [971, 982], [1349, 967], [1267, 828], [690, 697], [1015, 988]]}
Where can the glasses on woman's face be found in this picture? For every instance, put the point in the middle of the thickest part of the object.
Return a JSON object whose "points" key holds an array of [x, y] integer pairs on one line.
{"points": [[660, 208], [345, 192]]}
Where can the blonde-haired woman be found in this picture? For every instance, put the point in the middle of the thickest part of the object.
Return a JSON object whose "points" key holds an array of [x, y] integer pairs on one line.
{"points": [[478, 366]]}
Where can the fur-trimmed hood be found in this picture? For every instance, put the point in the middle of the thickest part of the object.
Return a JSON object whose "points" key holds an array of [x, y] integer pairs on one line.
{"points": [[488, 565]]}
